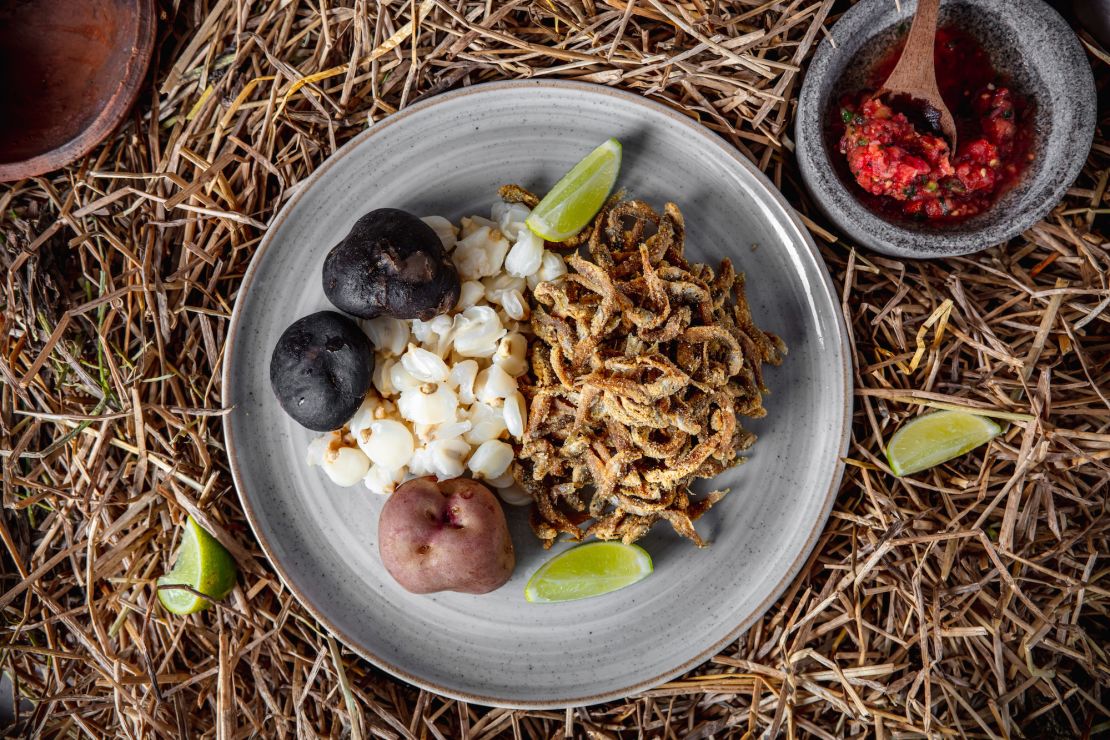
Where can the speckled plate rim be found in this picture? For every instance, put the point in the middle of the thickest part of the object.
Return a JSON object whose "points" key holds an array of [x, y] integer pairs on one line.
{"points": [[806, 247]]}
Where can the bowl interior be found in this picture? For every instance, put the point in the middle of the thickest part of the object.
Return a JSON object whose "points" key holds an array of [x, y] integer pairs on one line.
{"points": [[62, 62], [1004, 49], [1028, 43]]}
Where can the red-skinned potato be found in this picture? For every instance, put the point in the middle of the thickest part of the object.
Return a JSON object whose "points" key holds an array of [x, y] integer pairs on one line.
{"points": [[445, 536]]}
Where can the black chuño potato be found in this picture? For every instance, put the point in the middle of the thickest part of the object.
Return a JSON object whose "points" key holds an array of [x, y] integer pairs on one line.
{"points": [[320, 370], [392, 264]]}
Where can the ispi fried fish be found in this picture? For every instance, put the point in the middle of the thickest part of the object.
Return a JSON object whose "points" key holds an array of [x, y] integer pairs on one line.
{"points": [[641, 365]]}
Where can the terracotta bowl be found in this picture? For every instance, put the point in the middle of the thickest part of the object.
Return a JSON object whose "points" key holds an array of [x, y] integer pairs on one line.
{"points": [[71, 70], [1029, 43]]}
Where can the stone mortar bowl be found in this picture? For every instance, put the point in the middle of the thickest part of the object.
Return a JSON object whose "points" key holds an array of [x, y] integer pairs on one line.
{"points": [[71, 70], [1029, 43]]}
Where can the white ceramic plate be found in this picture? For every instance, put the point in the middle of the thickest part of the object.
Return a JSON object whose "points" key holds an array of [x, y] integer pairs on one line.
{"points": [[447, 156]]}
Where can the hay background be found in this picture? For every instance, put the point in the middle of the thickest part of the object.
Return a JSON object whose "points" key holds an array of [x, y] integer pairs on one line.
{"points": [[971, 600]]}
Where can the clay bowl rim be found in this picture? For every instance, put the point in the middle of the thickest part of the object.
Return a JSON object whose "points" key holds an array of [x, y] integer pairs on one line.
{"points": [[863, 25], [109, 117]]}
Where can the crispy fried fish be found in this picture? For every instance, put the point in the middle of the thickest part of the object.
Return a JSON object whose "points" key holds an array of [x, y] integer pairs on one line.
{"points": [[641, 365]]}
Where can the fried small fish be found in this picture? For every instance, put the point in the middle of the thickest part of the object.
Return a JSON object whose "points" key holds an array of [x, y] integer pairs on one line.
{"points": [[641, 365]]}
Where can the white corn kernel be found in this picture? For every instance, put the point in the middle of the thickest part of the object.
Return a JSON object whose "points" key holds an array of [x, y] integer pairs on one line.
{"points": [[314, 455], [470, 293], [514, 495], [498, 285], [434, 335], [424, 365], [429, 404], [514, 305], [512, 354], [480, 254], [510, 217], [383, 481], [491, 459], [526, 256], [486, 423], [513, 229], [387, 334], [371, 408], [515, 415], [424, 433], [343, 462], [348, 467], [461, 379], [401, 379], [494, 383], [446, 457], [505, 480], [420, 464], [387, 443], [451, 431], [421, 330], [443, 229], [552, 268], [469, 224], [477, 331], [382, 381]]}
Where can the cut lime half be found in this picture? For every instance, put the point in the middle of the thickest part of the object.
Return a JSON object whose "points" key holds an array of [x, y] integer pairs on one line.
{"points": [[577, 198], [202, 564], [935, 438], [588, 570]]}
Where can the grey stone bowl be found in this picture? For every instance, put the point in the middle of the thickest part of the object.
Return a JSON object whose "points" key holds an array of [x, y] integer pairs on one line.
{"points": [[1028, 42]]}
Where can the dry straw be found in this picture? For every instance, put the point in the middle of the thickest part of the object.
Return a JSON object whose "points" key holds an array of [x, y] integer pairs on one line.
{"points": [[970, 601]]}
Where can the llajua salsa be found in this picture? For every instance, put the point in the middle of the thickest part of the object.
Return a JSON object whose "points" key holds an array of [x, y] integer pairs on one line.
{"points": [[912, 173]]}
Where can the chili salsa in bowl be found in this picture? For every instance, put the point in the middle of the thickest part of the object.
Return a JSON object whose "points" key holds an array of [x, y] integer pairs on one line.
{"points": [[1026, 46], [903, 169]]}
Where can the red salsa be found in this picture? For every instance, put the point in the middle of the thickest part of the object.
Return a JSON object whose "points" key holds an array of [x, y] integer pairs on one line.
{"points": [[911, 172]]}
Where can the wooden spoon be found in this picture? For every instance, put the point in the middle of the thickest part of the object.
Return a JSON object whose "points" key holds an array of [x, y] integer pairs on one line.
{"points": [[915, 75]]}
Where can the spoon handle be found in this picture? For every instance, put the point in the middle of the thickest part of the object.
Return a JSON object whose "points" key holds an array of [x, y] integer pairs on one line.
{"points": [[914, 72]]}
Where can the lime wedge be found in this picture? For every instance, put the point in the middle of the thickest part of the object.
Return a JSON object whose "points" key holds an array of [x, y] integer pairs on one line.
{"points": [[577, 198], [202, 564], [588, 570], [935, 438]]}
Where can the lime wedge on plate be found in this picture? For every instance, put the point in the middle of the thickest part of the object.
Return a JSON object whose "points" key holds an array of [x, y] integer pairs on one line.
{"points": [[202, 564], [577, 198], [935, 438], [588, 570]]}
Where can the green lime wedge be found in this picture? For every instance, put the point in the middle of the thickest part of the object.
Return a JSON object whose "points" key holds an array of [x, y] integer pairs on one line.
{"points": [[588, 570], [935, 438], [577, 198], [202, 564]]}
